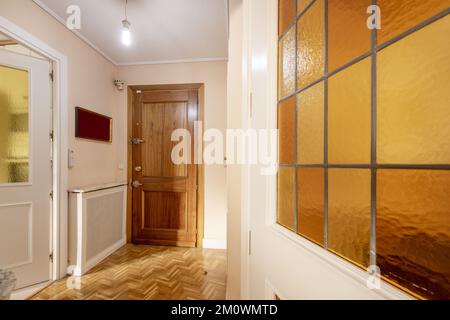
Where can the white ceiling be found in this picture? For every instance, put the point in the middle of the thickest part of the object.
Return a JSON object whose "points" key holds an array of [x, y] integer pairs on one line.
{"points": [[162, 30]]}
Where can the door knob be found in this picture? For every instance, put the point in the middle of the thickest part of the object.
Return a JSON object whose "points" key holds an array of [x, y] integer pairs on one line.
{"points": [[136, 184], [137, 141], [138, 169]]}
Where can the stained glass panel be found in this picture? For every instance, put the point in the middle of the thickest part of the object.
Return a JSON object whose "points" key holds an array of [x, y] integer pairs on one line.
{"points": [[413, 230]]}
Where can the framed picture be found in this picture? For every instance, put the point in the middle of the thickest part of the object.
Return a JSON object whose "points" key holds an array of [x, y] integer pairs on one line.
{"points": [[92, 126]]}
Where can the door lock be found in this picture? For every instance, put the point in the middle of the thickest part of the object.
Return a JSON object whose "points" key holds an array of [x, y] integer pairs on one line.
{"points": [[136, 184], [138, 169], [137, 141]]}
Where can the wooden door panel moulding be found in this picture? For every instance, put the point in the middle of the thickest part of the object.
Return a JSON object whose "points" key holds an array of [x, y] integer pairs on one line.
{"points": [[164, 96], [164, 187], [8, 42], [162, 87]]}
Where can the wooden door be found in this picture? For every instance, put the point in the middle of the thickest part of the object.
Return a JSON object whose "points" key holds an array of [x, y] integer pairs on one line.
{"points": [[164, 194]]}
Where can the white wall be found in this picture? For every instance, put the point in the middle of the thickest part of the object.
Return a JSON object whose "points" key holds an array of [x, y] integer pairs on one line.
{"points": [[235, 83], [281, 261], [214, 76], [90, 78]]}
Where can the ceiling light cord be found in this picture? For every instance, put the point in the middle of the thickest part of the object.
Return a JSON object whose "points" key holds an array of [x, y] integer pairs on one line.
{"points": [[126, 33]]}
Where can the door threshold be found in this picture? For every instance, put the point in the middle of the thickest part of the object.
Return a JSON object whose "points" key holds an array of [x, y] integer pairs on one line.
{"points": [[28, 292]]}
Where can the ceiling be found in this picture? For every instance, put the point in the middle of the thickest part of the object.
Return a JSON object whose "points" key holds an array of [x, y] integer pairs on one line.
{"points": [[162, 30]]}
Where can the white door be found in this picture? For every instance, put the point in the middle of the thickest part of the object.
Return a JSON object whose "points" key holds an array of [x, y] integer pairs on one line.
{"points": [[25, 168]]}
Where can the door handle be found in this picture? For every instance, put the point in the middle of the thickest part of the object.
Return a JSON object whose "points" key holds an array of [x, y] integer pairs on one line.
{"points": [[136, 184], [137, 141]]}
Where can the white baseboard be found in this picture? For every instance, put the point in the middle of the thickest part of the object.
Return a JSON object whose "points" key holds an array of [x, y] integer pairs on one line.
{"points": [[271, 293], [105, 254], [214, 244], [78, 271], [26, 293]]}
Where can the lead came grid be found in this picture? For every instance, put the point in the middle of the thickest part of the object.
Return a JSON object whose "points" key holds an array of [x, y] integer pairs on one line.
{"points": [[373, 166]]}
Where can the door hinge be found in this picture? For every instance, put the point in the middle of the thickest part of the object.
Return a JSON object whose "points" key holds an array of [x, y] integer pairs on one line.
{"points": [[52, 135], [51, 195], [249, 243], [52, 75], [51, 257]]}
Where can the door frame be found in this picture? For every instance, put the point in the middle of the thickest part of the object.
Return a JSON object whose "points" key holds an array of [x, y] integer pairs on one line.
{"points": [[59, 230], [200, 167]]}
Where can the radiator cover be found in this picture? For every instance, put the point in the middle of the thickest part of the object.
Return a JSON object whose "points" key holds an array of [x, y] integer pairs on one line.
{"points": [[97, 226]]}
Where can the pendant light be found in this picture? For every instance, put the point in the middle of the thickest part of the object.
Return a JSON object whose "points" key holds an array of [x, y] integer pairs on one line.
{"points": [[126, 33]]}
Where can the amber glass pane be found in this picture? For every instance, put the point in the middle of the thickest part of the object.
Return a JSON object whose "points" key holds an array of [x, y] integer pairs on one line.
{"points": [[398, 16], [14, 131], [286, 127], [286, 197], [346, 18], [349, 115], [310, 126], [286, 68], [413, 230], [311, 39], [349, 214], [413, 98], [310, 190], [301, 5], [286, 14]]}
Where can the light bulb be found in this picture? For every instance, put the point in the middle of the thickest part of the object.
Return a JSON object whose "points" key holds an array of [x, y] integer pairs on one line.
{"points": [[126, 33]]}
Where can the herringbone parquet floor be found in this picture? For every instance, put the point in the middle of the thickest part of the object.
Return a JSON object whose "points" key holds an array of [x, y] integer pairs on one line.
{"points": [[148, 273]]}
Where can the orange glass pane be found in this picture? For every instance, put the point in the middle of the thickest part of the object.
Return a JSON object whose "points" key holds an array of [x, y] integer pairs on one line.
{"points": [[286, 127], [311, 45], [310, 197], [286, 67], [413, 230], [399, 16], [349, 115], [348, 35], [286, 15], [310, 125], [413, 98], [349, 214], [301, 5], [286, 198]]}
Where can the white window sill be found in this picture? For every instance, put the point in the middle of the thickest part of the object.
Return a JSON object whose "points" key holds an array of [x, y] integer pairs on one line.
{"points": [[387, 291]]}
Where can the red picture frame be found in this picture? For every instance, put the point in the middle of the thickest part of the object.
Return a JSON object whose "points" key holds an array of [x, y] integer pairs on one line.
{"points": [[92, 126]]}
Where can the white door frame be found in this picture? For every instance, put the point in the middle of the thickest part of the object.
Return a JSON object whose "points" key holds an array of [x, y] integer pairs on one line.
{"points": [[245, 170], [60, 144]]}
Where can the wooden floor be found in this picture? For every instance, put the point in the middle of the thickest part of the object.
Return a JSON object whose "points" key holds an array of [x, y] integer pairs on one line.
{"points": [[148, 273]]}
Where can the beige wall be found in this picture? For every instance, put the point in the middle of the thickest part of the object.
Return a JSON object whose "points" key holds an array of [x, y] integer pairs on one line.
{"points": [[90, 80], [234, 172], [214, 76], [90, 85]]}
